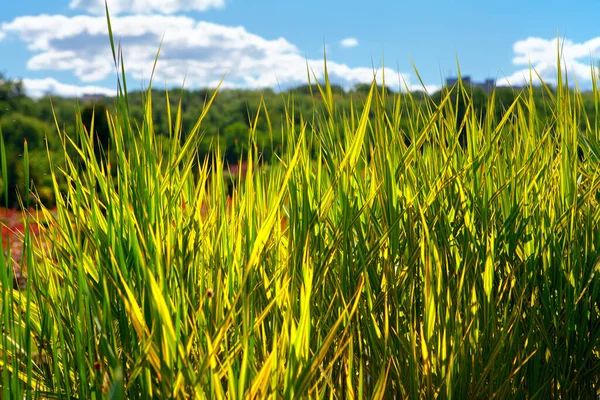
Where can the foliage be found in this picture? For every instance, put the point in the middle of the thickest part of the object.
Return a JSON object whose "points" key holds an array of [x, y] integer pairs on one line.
{"points": [[18, 129], [95, 120], [233, 114]]}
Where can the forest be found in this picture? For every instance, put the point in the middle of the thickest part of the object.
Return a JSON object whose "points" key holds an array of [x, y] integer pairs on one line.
{"points": [[225, 128]]}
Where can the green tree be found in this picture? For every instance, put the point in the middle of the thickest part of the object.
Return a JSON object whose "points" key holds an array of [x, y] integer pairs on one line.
{"points": [[13, 97], [101, 135], [236, 141], [16, 129]]}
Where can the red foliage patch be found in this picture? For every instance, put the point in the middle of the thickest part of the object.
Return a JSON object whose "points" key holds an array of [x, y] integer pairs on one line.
{"points": [[13, 232]]}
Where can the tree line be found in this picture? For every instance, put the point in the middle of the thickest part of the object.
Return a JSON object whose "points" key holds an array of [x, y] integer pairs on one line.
{"points": [[226, 127]]}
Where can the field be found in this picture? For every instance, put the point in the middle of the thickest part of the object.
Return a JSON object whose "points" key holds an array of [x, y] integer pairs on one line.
{"points": [[458, 258]]}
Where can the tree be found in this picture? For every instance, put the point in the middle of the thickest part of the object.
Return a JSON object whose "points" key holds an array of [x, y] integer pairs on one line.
{"points": [[16, 128], [12, 93], [236, 141], [101, 135], [10, 88]]}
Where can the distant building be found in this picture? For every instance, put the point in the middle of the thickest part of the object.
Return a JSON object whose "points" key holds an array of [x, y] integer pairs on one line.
{"points": [[488, 85], [451, 81]]}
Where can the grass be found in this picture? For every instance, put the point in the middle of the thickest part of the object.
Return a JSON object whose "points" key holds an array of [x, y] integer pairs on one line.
{"points": [[354, 266]]}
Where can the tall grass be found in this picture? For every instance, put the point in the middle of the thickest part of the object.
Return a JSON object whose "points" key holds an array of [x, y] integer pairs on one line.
{"points": [[373, 269]]}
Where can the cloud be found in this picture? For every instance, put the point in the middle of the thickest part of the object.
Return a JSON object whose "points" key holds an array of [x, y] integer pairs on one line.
{"points": [[39, 87], [2, 35], [145, 6], [197, 51], [349, 42], [541, 55], [429, 89]]}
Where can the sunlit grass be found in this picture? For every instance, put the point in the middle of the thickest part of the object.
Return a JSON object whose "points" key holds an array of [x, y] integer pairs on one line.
{"points": [[354, 266]]}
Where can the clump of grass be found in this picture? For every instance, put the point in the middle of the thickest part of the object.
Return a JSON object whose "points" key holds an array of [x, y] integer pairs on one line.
{"points": [[373, 269]]}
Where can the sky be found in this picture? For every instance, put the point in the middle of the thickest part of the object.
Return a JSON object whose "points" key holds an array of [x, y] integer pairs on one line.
{"points": [[62, 46]]}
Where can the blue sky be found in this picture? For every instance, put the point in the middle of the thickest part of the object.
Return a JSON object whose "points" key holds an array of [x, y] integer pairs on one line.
{"points": [[61, 46]]}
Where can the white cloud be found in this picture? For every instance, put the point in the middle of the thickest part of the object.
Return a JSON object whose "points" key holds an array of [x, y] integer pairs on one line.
{"points": [[145, 6], [349, 42], [429, 89], [541, 55], [40, 87], [2, 35], [197, 51]]}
